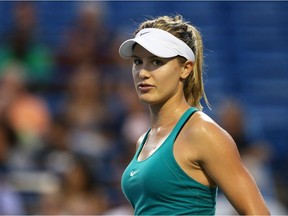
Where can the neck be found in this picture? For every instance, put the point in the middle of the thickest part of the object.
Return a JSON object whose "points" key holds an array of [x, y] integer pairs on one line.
{"points": [[166, 115]]}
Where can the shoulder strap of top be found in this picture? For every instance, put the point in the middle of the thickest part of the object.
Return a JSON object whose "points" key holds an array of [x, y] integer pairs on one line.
{"points": [[174, 133], [182, 121], [141, 144]]}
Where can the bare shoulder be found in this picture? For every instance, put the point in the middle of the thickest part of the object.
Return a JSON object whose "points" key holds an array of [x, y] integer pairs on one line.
{"points": [[211, 139], [203, 125]]}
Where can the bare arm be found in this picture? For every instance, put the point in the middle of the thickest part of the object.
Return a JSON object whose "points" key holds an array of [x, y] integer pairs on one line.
{"points": [[220, 159]]}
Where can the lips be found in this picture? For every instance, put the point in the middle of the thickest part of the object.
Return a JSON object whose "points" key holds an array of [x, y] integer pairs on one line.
{"points": [[144, 86]]}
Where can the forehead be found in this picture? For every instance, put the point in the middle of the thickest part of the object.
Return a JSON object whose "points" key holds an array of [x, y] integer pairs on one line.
{"points": [[140, 51]]}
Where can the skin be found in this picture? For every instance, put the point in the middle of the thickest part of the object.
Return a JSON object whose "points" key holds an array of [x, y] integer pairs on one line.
{"points": [[205, 151]]}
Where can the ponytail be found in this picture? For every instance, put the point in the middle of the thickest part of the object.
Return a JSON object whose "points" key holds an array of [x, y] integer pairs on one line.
{"points": [[194, 85]]}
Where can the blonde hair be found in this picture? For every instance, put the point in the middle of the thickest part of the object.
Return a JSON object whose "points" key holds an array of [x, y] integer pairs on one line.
{"points": [[177, 26]]}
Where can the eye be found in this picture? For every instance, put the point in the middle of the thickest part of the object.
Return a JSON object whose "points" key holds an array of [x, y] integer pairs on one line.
{"points": [[157, 62], [137, 61]]}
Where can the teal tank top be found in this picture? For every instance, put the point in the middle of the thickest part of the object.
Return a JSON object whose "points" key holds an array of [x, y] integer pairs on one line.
{"points": [[159, 186]]}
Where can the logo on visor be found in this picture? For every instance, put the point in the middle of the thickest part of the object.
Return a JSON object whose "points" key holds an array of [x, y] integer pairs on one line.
{"points": [[143, 33]]}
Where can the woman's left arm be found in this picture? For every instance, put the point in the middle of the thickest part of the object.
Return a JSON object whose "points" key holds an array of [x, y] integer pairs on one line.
{"points": [[221, 160]]}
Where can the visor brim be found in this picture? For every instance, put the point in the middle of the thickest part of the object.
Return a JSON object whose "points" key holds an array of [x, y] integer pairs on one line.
{"points": [[153, 46]]}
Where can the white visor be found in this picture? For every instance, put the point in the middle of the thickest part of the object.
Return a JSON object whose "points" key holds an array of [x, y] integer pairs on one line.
{"points": [[158, 42]]}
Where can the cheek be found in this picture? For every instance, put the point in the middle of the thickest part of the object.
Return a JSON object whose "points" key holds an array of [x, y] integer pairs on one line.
{"points": [[133, 70], [135, 78], [170, 77], [134, 75]]}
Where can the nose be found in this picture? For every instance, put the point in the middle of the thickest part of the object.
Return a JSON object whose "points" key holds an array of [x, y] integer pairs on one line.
{"points": [[144, 73]]}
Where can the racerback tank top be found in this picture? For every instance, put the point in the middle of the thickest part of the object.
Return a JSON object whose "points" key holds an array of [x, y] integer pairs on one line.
{"points": [[159, 186]]}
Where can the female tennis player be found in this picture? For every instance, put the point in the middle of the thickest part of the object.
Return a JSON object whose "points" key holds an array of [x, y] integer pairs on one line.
{"points": [[185, 156]]}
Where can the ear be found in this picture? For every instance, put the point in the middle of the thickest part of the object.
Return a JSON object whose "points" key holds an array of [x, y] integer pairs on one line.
{"points": [[187, 68]]}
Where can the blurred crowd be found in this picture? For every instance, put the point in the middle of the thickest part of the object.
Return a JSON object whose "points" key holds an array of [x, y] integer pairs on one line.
{"points": [[69, 118]]}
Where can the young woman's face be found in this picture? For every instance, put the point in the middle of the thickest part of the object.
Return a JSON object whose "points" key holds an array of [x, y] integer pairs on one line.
{"points": [[156, 79]]}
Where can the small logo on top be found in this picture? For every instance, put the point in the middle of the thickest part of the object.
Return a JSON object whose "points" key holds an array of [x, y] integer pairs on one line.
{"points": [[132, 173]]}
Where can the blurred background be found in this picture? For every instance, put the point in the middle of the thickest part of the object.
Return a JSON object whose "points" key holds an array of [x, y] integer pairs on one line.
{"points": [[69, 115]]}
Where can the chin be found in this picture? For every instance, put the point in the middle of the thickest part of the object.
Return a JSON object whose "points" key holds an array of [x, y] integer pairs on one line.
{"points": [[145, 99], [148, 101]]}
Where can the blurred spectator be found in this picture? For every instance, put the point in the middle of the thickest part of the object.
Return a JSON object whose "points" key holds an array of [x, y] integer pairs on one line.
{"points": [[90, 131], [87, 40], [80, 193], [85, 112], [26, 113], [55, 155], [84, 103], [21, 44]]}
